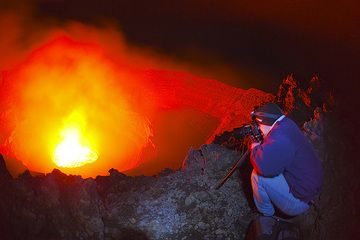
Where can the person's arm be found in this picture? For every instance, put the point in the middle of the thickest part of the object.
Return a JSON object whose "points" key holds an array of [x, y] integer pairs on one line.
{"points": [[254, 144], [271, 157]]}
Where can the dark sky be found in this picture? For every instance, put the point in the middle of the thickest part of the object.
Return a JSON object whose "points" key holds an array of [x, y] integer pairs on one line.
{"points": [[265, 41]]}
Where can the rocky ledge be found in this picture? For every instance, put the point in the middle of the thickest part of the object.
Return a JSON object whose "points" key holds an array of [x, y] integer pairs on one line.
{"points": [[179, 204]]}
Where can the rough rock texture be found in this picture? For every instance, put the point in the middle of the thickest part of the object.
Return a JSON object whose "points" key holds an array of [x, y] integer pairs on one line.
{"points": [[230, 105], [180, 204], [298, 99], [171, 205]]}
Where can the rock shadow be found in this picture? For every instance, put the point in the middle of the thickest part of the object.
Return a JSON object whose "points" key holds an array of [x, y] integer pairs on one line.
{"points": [[245, 182], [130, 233]]}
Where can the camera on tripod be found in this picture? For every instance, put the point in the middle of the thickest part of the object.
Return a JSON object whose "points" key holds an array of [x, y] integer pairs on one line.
{"points": [[236, 138], [252, 130]]}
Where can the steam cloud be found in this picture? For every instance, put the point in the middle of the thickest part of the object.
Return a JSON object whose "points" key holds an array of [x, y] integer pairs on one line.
{"points": [[52, 71]]}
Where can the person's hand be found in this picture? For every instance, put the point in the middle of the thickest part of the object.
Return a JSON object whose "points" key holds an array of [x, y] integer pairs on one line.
{"points": [[254, 144], [250, 142]]}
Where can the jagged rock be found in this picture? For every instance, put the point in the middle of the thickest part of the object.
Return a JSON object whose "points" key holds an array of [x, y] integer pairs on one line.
{"points": [[166, 206], [180, 204], [299, 99], [4, 173], [25, 175]]}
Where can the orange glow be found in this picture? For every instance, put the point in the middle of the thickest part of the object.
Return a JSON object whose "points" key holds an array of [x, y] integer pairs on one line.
{"points": [[73, 151], [69, 106]]}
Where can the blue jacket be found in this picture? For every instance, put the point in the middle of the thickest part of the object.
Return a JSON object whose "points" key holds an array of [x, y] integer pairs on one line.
{"points": [[286, 150]]}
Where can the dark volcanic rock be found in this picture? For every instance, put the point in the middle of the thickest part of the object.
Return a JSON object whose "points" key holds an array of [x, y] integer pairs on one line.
{"points": [[298, 99], [179, 204], [52, 207], [4, 174]]}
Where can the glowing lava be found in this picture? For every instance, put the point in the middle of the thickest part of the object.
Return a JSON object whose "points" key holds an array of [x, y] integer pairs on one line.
{"points": [[69, 106], [74, 150], [71, 153]]}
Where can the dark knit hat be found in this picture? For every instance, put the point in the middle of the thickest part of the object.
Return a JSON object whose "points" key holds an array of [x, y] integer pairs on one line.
{"points": [[267, 114]]}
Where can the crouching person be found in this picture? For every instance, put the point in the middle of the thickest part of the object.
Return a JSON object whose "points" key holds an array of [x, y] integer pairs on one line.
{"points": [[287, 174]]}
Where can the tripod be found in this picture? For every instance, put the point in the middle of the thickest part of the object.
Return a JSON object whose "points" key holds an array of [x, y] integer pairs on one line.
{"points": [[232, 170]]}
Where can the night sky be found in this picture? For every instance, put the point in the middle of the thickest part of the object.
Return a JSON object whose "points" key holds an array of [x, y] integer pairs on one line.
{"points": [[263, 42], [241, 43]]}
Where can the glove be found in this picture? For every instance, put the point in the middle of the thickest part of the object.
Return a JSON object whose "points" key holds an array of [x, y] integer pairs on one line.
{"points": [[254, 144], [250, 142]]}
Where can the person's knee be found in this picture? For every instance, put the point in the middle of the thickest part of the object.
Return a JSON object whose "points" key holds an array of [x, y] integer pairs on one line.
{"points": [[254, 181], [254, 178]]}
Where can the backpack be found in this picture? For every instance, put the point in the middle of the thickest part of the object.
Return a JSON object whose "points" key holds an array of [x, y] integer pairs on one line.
{"points": [[272, 228]]}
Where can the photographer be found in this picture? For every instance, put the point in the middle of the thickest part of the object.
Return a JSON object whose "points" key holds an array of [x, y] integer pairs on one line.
{"points": [[287, 173]]}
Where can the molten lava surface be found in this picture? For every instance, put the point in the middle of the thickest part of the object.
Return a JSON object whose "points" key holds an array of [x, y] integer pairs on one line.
{"points": [[70, 106], [74, 150]]}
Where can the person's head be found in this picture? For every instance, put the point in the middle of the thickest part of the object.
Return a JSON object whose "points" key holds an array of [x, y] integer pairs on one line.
{"points": [[266, 115]]}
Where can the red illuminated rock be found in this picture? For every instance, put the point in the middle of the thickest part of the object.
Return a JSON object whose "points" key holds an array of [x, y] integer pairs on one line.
{"points": [[230, 105], [77, 100], [179, 204]]}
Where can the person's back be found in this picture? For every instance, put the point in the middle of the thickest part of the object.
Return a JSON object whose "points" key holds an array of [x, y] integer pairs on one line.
{"points": [[304, 173]]}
